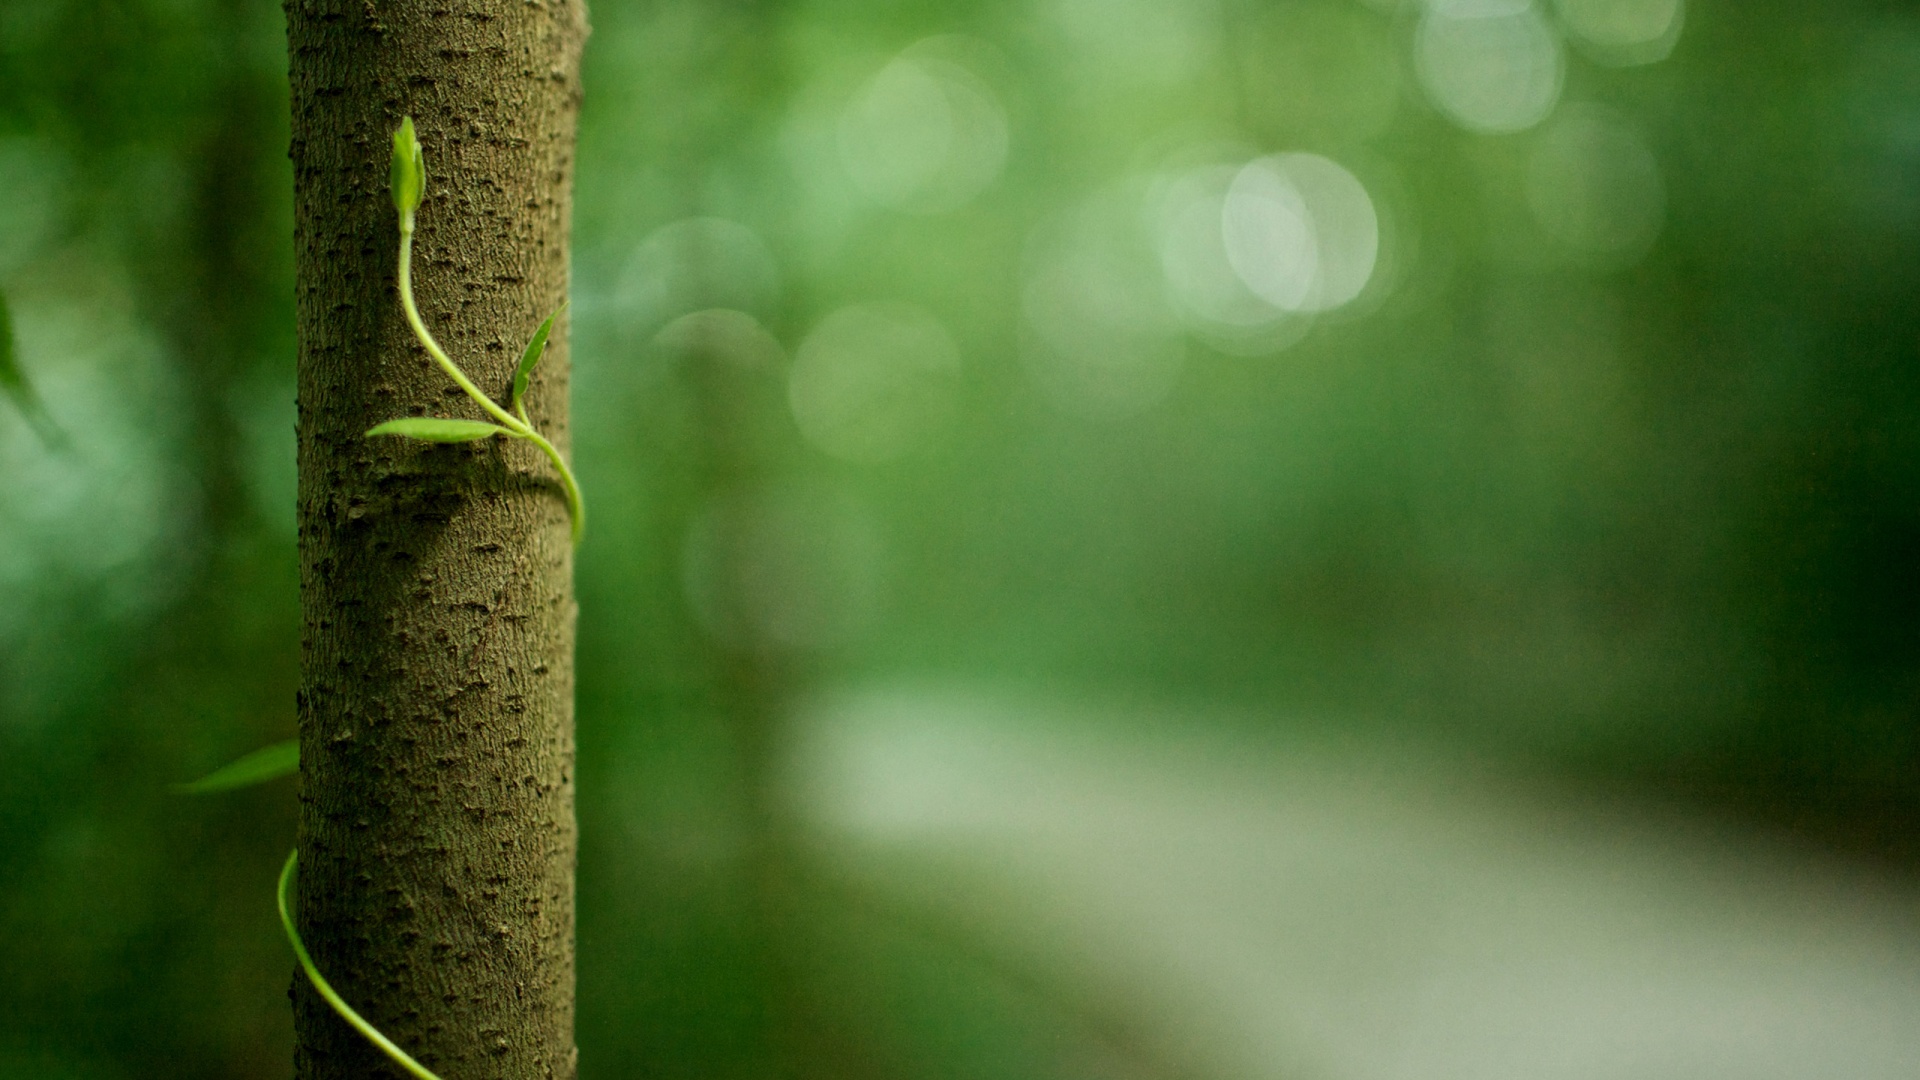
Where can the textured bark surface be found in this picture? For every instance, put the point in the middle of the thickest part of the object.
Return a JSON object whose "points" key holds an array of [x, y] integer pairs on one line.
{"points": [[436, 707]]}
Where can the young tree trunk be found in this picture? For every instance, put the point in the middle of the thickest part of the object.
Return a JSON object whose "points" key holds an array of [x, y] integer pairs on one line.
{"points": [[437, 838]]}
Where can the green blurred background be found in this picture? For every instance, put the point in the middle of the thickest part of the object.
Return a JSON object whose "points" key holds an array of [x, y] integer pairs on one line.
{"points": [[1523, 395]]}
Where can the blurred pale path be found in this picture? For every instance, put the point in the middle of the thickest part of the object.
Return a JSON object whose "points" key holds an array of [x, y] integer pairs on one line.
{"points": [[1259, 910]]}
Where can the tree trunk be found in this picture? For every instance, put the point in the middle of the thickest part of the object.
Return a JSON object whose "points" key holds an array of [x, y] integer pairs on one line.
{"points": [[437, 838]]}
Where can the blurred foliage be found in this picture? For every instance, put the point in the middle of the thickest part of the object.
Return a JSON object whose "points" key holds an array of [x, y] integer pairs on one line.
{"points": [[1611, 473]]}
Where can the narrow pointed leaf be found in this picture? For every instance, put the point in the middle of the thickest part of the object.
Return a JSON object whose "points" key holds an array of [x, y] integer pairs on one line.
{"points": [[434, 429], [531, 358], [271, 763], [13, 382]]}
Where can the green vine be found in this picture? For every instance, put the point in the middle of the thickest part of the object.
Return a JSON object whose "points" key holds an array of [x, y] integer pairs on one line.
{"points": [[401, 1057], [409, 181], [263, 765]]}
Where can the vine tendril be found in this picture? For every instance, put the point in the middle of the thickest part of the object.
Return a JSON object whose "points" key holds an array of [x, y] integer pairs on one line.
{"points": [[359, 1023]]}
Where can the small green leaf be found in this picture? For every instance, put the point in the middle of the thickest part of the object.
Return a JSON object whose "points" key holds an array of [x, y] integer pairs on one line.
{"points": [[271, 763], [531, 358], [13, 382], [434, 429], [408, 177]]}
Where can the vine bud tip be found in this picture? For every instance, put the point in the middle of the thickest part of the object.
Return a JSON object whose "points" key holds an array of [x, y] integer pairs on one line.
{"points": [[409, 176]]}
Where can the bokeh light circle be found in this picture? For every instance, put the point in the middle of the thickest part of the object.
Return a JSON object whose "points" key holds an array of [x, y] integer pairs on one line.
{"points": [[1301, 231], [924, 135], [1492, 66], [1624, 32], [1097, 333], [696, 263], [1268, 235], [734, 337], [1595, 186], [1206, 289], [872, 380]]}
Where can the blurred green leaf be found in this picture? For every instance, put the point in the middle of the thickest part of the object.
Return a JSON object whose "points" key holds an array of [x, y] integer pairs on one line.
{"points": [[531, 358], [14, 382], [434, 429], [268, 763]]}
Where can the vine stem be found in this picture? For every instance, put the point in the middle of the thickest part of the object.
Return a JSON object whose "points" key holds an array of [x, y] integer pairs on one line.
{"points": [[518, 427], [576, 504], [400, 1057]]}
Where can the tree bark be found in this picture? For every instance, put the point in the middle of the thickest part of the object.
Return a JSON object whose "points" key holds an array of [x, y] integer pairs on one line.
{"points": [[437, 838]]}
